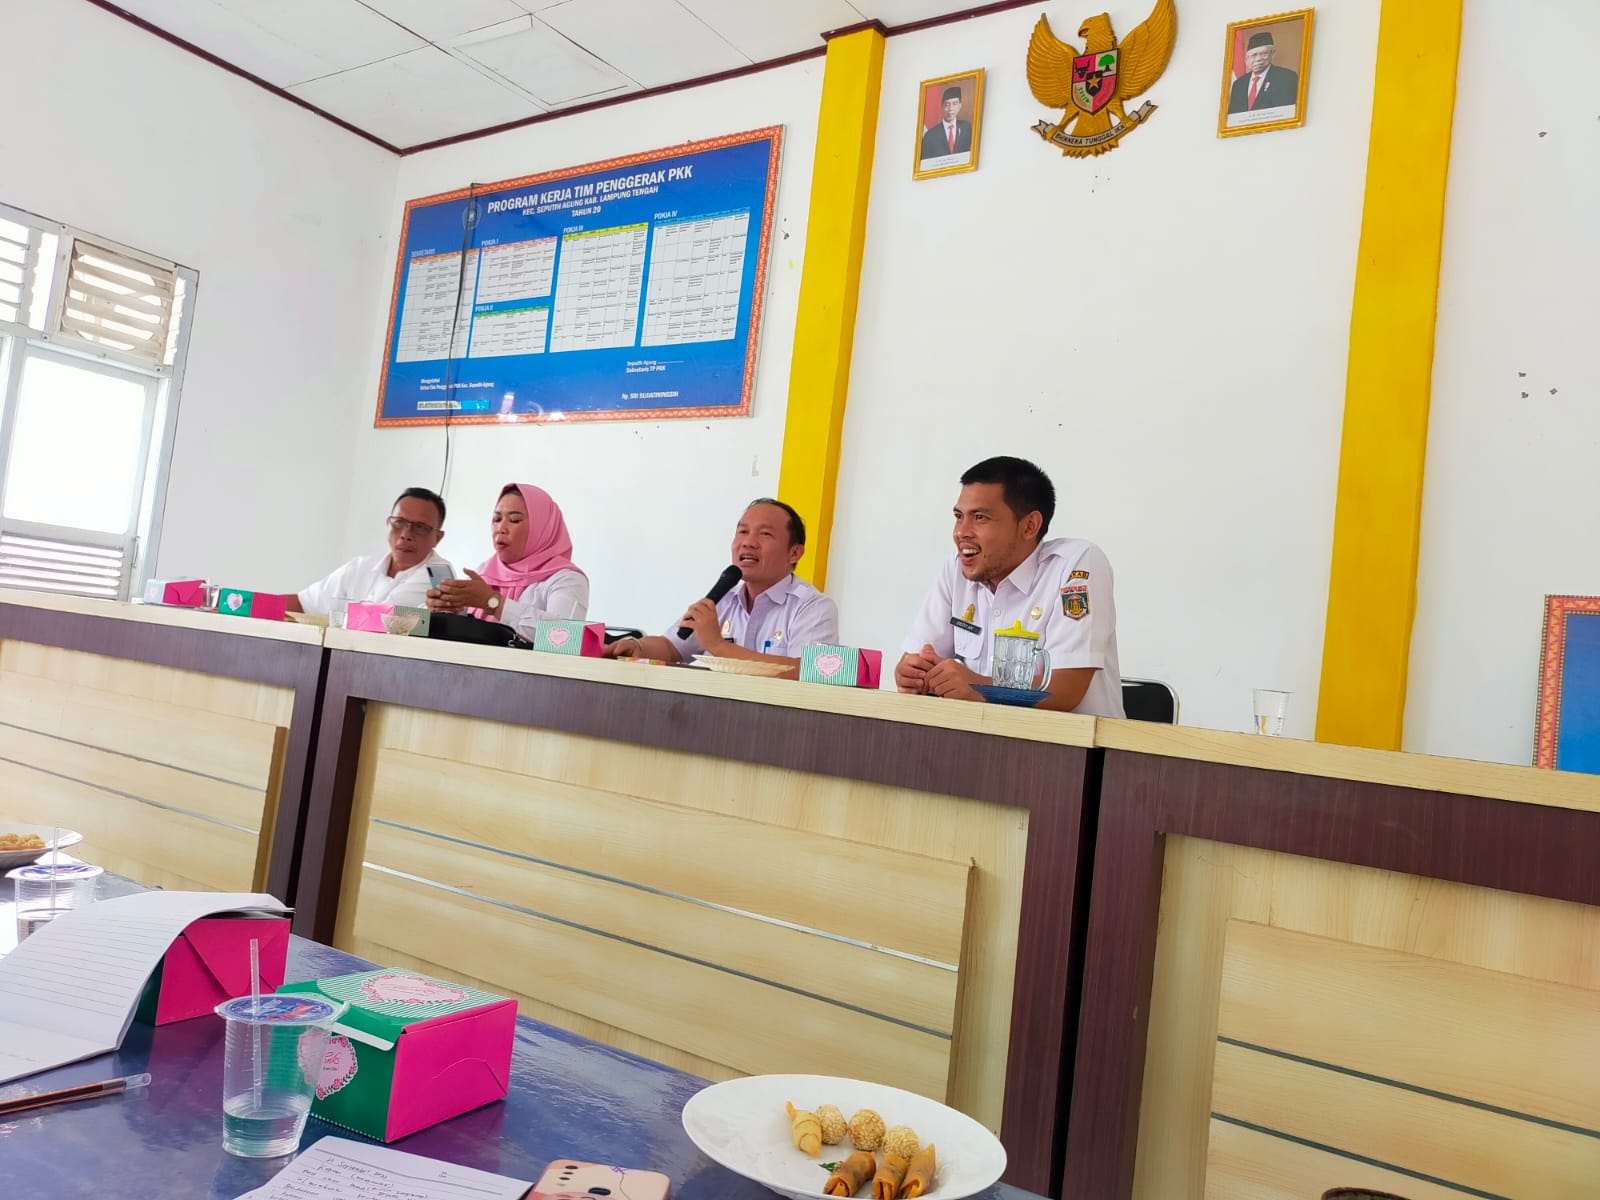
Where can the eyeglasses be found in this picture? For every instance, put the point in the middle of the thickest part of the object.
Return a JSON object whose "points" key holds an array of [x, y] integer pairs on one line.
{"points": [[401, 525]]}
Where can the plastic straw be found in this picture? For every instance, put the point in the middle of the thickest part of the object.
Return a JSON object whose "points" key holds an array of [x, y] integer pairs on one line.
{"points": [[255, 1026]]}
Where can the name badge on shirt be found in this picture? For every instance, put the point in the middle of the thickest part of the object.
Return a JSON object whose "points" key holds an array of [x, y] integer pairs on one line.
{"points": [[967, 625]]}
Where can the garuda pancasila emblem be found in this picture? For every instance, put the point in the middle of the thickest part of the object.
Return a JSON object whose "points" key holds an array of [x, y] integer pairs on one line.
{"points": [[1092, 84]]}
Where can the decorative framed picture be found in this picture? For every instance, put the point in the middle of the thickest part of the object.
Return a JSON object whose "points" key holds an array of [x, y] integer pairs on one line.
{"points": [[949, 112], [1265, 68], [1567, 725]]}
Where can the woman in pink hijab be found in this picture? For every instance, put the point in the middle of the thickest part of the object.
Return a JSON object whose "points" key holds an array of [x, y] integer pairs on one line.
{"points": [[531, 576]]}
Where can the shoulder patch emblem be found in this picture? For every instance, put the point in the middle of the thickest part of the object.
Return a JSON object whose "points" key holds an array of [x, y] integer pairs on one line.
{"points": [[1075, 602], [1078, 575]]}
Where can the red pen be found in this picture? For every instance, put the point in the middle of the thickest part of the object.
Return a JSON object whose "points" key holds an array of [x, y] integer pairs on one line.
{"points": [[86, 1091]]}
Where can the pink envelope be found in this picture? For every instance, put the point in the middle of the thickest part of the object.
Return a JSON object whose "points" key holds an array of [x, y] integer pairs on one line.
{"points": [[449, 1065], [185, 593], [871, 665], [210, 962], [367, 617], [266, 606]]}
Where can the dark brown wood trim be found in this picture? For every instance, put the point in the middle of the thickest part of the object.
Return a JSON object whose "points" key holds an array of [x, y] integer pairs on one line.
{"points": [[965, 14], [1049, 781], [229, 67], [874, 24], [1527, 848], [296, 665]]}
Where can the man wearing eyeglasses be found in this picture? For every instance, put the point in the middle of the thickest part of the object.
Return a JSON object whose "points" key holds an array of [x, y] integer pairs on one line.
{"points": [[416, 526]]}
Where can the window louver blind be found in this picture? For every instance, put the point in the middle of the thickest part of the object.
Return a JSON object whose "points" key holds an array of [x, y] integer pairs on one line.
{"points": [[73, 568], [13, 272], [119, 303]]}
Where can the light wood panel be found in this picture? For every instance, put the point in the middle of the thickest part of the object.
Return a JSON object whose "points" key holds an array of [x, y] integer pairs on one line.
{"points": [[1205, 884], [858, 975], [908, 902], [171, 776], [992, 839], [1435, 1137], [1256, 1166], [1482, 1035], [747, 1026]]}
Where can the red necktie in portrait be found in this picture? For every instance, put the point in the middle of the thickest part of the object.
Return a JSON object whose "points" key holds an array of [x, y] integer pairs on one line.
{"points": [[1255, 85], [950, 136]]}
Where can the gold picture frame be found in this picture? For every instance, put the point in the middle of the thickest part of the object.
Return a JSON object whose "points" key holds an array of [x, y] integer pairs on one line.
{"points": [[931, 97], [1278, 99]]}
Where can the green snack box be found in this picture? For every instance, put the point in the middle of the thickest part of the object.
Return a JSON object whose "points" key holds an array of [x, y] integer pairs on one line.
{"points": [[409, 1051]]}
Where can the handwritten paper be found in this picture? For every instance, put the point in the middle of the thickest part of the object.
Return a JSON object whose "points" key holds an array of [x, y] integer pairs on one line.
{"points": [[70, 991], [339, 1169]]}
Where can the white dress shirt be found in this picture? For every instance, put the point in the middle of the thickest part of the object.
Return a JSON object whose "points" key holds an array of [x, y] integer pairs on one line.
{"points": [[785, 619], [367, 579], [562, 597], [1062, 592]]}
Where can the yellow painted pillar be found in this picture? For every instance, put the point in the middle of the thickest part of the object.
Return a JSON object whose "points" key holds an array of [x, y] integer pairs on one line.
{"points": [[824, 332], [1372, 583]]}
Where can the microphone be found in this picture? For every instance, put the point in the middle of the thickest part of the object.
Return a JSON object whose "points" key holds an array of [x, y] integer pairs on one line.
{"points": [[724, 584]]}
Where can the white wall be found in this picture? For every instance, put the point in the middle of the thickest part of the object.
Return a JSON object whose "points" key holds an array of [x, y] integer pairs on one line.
{"points": [[651, 505], [284, 217], [1514, 427], [1163, 328]]}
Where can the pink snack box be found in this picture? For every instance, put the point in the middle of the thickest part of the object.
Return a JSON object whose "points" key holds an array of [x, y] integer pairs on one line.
{"points": [[409, 1051], [180, 593], [209, 963]]}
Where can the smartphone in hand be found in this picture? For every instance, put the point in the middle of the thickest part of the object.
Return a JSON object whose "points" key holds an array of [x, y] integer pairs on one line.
{"points": [[568, 1179], [436, 576]]}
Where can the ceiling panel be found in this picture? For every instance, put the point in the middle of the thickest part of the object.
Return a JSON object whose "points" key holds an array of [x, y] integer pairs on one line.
{"points": [[231, 38], [416, 97], [441, 20], [340, 33], [651, 41], [763, 31], [541, 61]]}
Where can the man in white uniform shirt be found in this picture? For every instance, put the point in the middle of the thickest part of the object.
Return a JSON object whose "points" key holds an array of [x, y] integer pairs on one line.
{"points": [[1004, 572], [400, 576], [769, 616]]}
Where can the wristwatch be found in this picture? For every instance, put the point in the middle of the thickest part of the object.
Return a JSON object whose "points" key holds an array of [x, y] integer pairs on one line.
{"points": [[492, 604]]}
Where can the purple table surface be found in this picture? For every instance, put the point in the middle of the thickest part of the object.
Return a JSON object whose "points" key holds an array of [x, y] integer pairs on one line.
{"points": [[569, 1098]]}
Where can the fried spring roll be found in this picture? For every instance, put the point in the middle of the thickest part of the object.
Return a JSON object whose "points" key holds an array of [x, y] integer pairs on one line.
{"points": [[919, 1175], [886, 1183], [850, 1175], [804, 1129]]}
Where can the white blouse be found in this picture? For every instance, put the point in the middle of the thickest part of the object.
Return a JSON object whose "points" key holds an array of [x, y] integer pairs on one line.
{"points": [[562, 597]]}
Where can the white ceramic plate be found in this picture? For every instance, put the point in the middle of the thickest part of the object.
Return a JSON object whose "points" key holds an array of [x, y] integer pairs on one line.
{"points": [[742, 1125], [740, 666], [21, 858]]}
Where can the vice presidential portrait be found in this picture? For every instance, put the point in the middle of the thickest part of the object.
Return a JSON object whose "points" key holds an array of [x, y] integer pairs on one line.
{"points": [[947, 125], [1264, 74]]}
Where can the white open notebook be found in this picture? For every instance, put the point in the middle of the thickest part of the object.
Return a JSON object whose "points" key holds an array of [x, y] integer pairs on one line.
{"points": [[70, 991], [339, 1169]]}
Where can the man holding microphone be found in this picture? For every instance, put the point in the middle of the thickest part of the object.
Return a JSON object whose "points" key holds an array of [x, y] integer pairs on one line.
{"points": [[767, 615]]}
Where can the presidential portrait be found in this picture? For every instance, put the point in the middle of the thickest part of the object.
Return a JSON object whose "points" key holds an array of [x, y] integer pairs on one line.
{"points": [[1266, 63], [947, 125]]}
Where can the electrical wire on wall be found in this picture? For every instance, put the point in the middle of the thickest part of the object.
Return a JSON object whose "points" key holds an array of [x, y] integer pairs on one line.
{"points": [[469, 226]]}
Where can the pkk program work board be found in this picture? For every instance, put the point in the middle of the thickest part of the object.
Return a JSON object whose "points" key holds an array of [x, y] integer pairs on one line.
{"points": [[621, 291]]}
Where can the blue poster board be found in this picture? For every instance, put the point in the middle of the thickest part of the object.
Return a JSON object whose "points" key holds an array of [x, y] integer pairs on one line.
{"points": [[1567, 732], [623, 289]]}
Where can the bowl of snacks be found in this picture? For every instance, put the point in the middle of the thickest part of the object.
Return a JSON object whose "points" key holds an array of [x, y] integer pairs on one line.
{"points": [[401, 623], [24, 844], [810, 1137]]}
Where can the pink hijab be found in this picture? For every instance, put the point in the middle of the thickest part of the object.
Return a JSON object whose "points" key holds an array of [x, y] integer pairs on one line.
{"points": [[549, 546]]}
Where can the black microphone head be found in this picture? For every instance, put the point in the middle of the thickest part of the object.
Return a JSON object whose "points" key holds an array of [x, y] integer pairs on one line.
{"points": [[726, 582]]}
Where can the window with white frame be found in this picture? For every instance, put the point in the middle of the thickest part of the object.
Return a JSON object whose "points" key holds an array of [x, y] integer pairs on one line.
{"points": [[92, 341]]}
